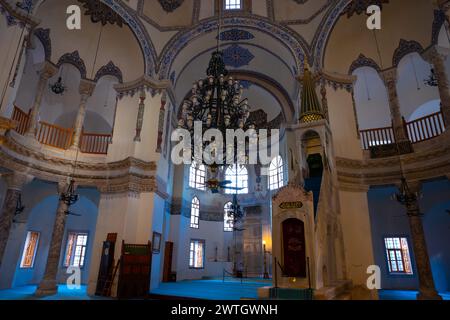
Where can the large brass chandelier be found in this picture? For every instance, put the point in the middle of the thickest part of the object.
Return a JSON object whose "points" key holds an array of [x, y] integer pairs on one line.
{"points": [[217, 103]]}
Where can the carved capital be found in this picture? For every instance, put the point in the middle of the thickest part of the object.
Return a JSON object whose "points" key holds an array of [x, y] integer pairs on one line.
{"points": [[435, 54], [63, 185], [48, 70], [86, 87], [17, 180], [389, 76]]}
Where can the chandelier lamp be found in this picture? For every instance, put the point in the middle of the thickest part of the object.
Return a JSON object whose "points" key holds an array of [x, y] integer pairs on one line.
{"points": [[215, 102], [69, 197], [405, 196]]}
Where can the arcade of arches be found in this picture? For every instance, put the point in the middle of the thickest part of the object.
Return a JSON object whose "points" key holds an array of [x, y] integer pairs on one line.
{"points": [[361, 114]]}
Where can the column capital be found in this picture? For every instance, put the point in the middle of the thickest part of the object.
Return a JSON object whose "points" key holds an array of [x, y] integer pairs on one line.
{"points": [[48, 70], [442, 4], [86, 87], [63, 185], [389, 75], [17, 180], [435, 52]]}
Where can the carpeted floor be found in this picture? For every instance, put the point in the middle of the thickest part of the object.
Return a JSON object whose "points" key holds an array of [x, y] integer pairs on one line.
{"points": [[64, 293], [198, 289]]}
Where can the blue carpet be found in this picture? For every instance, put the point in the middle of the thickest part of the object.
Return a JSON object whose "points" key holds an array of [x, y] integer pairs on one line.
{"points": [[200, 289], [212, 289], [404, 295], [64, 293]]}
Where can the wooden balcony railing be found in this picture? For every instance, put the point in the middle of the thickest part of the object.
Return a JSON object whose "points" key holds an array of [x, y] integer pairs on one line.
{"points": [[419, 130], [22, 118], [95, 143], [377, 137], [59, 137], [425, 128], [54, 136]]}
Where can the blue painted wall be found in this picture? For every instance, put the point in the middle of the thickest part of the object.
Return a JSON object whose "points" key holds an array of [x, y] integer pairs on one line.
{"points": [[388, 218], [41, 200]]}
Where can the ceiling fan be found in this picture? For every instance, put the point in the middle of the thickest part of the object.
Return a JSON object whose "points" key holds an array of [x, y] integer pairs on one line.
{"points": [[214, 185], [72, 213]]}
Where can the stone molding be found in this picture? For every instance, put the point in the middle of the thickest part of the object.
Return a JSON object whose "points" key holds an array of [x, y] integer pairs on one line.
{"points": [[423, 164], [86, 87], [19, 14], [17, 180], [129, 174], [143, 83]]}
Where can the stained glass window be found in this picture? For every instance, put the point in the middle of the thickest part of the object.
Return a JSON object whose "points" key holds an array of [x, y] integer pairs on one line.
{"points": [[227, 217], [29, 250], [397, 252], [196, 254], [197, 176], [276, 179], [75, 249], [195, 212]]}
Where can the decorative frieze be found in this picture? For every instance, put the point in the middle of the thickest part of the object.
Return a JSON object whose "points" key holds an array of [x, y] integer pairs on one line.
{"points": [[109, 69], [170, 5], [99, 12], [144, 83], [404, 48], [44, 36], [75, 60], [162, 113], [130, 174]]}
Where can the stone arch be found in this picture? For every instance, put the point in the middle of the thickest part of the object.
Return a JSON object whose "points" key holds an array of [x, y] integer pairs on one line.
{"points": [[109, 69], [75, 60], [298, 47], [363, 61], [325, 28], [44, 36], [131, 19], [404, 48]]}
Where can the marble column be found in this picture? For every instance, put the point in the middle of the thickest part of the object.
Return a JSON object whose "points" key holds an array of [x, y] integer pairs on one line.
{"points": [[140, 117], [46, 73], [390, 79], [15, 183], [48, 284], [427, 290], [86, 89], [436, 57]]}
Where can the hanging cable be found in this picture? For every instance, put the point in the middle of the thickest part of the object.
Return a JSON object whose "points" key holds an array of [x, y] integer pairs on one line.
{"points": [[378, 50], [96, 51], [367, 86], [415, 72]]}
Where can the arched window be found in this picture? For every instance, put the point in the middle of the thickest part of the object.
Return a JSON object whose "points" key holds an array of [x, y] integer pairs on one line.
{"points": [[238, 175], [276, 179], [197, 176], [228, 222], [195, 212]]}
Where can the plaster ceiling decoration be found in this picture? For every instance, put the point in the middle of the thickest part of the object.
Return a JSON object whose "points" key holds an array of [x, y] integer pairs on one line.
{"points": [[100, 12], [237, 56], [236, 35], [170, 5], [360, 6]]}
